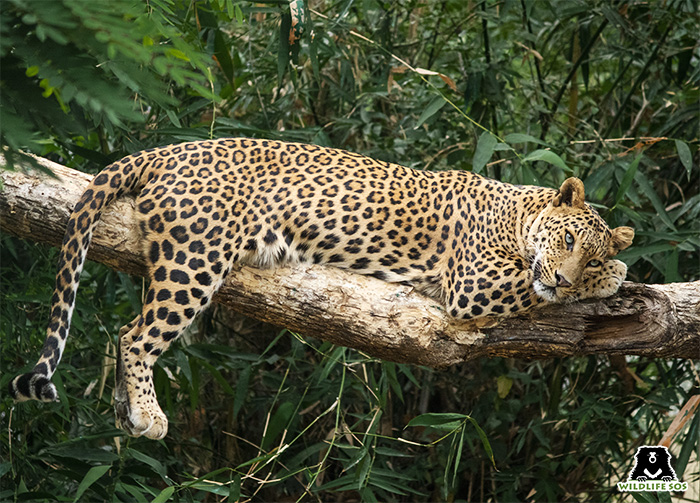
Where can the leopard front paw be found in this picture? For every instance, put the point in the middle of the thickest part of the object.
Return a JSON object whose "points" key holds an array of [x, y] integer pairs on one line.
{"points": [[604, 283]]}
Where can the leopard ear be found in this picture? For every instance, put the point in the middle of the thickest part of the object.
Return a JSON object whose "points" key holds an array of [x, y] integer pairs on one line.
{"points": [[621, 238], [571, 193]]}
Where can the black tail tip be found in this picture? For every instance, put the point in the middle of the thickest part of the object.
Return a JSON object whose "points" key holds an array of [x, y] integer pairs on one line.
{"points": [[33, 386]]}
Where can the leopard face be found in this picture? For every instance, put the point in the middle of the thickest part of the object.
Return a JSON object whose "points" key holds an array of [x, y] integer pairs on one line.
{"points": [[572, 249]]}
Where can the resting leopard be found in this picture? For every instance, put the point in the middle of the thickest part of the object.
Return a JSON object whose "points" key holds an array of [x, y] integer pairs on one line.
{"points": [[480, 247]]}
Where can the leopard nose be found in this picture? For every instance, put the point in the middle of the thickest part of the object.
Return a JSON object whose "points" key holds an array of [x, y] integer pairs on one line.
{"points": [[561, 280]]}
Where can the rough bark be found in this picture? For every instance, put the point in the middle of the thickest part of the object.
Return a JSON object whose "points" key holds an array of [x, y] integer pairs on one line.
{"points": [[385, 320]]}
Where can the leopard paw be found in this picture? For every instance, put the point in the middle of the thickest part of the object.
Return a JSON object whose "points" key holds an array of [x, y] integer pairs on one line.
{"points": [[140, 420]]}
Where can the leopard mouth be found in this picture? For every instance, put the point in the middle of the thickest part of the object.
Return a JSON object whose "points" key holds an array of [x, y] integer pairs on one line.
{"points": [[544, 290]]}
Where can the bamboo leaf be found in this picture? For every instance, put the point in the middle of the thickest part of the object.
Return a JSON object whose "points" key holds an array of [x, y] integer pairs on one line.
{"points": [[523, 138], [241, 390], [643, 497], [164, 495], [685, 156], [671, 273], [627, 179], [641, 251], [90, 478], [648, 190], [484, 439], [235, 488], [430, 110], [440, 420], [548, 156], [153, 463], [484, 150]]}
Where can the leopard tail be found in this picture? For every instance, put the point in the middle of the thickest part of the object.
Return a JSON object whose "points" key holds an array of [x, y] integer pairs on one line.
{"points": [[116, 180]]}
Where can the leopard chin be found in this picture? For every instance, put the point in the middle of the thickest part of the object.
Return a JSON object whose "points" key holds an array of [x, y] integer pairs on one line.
{"points": [[548, 293]]}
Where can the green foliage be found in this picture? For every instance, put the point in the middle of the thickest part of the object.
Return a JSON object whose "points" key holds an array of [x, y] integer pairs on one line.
{"points": [[528, 92], [73, 66]]}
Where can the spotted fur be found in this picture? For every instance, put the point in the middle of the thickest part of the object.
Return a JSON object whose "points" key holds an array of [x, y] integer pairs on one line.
{"points": [[478, 246]]}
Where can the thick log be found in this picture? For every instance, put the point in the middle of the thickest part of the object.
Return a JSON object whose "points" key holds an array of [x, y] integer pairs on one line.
{"points": [[389, 321]]}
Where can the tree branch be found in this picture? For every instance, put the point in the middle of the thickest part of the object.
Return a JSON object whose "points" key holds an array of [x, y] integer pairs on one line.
{"points": [[389, 321]]}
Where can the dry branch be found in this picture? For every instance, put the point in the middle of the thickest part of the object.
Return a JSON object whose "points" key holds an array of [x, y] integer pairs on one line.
{"points": [[385, 320]]}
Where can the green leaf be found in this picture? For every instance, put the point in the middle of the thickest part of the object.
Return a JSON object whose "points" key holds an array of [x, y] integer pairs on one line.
{"points": [[164, 495], [178, 54], [685, 156], [430, 110], [4, 468], [241, 390], [217, 44], [584, 34], [389, 369], [258, 459], [234, 487], [173, 118], [644, 497], [388, 451], [153, 463], [457, 458], [627, 179], [280, 421], [671, 273], [90, 478], [220, 378], [648, 190], [484, 439], [484, 150], [689, 446], [503, 385], [502, 147], [640, 251], [183, 364], [238, 12], [209, 487], [440, 420], [137, 493], [523, 138], [548, 156], [81, 451]]}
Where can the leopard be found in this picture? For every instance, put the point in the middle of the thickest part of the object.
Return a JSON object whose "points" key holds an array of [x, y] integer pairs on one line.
{"points": [[480, 247]]}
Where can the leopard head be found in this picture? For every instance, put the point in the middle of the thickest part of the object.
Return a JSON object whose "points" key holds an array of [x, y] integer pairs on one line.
{"points": [[571, 247]]}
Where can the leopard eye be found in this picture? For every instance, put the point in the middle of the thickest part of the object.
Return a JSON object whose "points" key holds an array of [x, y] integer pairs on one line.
{"points": [[594, 263], [569, 238]]}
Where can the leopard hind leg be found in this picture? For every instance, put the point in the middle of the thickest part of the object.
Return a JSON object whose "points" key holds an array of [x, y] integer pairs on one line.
{"points": [[169, 309]]}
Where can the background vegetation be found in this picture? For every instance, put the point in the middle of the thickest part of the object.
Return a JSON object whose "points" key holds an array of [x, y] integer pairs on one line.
{"points": [[606, 90]]}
